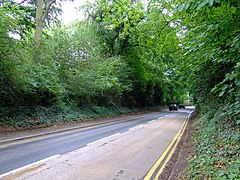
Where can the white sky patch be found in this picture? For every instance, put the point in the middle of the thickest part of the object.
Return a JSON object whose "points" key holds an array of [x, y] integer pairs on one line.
{"points": [[70, 10]]}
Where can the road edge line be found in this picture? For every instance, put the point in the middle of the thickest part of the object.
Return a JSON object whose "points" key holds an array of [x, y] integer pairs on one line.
{"points": [[175, 145], [172, 151], [161, 158], [135, 127], [103, 139], [29, 165]]}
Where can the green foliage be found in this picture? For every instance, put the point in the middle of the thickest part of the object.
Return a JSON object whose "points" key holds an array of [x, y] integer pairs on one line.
{"points": [[24, 117], [23, 16], [10, 56], [217, 148], [210, 37], [88, 71], [212, 51], [124, 14], [148, 46], [110, 60]]}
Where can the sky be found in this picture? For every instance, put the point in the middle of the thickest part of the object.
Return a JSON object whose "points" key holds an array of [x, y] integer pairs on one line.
{"points": [[70, 12]]}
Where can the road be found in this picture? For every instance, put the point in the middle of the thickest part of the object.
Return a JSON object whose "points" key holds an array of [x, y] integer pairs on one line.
{"points": [[122, 150]]}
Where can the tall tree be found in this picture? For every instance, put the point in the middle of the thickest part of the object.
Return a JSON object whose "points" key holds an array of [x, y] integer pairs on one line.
{"points": [[144, 36], [42, 9]]}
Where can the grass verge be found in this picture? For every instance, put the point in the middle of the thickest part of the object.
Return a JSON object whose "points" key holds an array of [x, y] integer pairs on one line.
{"points": [[25, 117], [217, 141]]}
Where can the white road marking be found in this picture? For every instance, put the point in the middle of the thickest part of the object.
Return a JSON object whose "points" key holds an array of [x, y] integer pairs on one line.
{"points": [[151, 121], [135, 127], [166, 115], [103, 139], [190, 114], [29, 165]]}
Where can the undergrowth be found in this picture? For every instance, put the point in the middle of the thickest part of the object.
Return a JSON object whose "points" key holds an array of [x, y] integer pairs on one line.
{"points": [[217, 144], [24, 117]]}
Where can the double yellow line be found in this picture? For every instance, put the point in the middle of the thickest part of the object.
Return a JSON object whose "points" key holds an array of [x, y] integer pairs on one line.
{"points": [[167, 154]]}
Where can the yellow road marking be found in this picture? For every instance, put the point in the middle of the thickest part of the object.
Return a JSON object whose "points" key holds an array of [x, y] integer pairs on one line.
{"points": [[172, 151], [156, 165]]}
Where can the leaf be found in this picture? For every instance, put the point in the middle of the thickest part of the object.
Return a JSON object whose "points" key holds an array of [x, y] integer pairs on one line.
{"points": [[214, 89], [180, 8], [238, 122], [210, 3], [201, 5], [221, 93], [187, 6]]}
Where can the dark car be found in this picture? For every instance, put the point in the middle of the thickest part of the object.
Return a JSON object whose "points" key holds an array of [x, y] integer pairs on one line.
{"points": [[181, 106], [173, 107]]}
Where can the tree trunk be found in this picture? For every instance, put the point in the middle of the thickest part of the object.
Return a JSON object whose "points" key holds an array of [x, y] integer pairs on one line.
{"points": [[42, 9], [39, 23]]}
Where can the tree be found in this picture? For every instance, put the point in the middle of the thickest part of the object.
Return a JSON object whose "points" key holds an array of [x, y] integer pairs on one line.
{"points": [[42, 9], [149, 46], [211, 39], [34, 14], [84, 66]]}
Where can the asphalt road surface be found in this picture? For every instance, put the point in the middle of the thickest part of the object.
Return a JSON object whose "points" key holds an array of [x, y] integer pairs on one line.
{"points": [[123, 150]]}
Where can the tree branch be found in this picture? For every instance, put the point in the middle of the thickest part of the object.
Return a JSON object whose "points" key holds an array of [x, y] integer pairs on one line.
{"points": [[47, 7], [22, 2]]}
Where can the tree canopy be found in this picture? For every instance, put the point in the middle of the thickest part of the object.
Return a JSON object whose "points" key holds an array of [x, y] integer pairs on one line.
{"points": [[133, 53], [120, 54]]}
